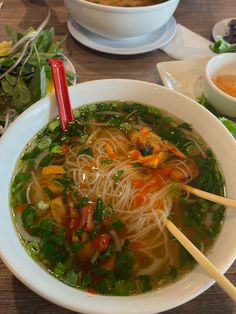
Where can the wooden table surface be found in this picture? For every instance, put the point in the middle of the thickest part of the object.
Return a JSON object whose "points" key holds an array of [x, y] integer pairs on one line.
{"points": [[197, 15]]}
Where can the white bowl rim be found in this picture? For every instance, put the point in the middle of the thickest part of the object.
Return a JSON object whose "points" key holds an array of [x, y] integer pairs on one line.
{"points": [[103, 7], [38, 284], [209, 79]]}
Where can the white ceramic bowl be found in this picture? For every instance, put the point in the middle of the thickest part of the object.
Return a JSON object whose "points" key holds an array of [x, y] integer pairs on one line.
{"points": [[32, 275], [121, 22], [221, 64]]}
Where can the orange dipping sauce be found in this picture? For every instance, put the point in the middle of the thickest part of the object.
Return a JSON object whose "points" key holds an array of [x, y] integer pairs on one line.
{"points": [[227, 83]]}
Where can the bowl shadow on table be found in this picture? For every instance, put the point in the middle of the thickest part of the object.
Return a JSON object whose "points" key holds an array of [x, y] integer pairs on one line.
{"points": [[36, 10], [27, 302]]}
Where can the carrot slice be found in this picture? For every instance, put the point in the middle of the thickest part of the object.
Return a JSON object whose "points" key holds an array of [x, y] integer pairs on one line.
{"points": [[49, 170]]}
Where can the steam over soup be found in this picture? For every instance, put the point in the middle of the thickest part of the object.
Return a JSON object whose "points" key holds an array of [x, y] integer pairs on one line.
{"points": [[90, 203], [127, 3]]}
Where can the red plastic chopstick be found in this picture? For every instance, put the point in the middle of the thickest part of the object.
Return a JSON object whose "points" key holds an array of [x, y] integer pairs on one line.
{"points": [[61, 90]]}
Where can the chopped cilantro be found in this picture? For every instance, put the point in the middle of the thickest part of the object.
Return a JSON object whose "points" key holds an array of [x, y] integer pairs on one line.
{"points": [[86, 151], [116, 177]]}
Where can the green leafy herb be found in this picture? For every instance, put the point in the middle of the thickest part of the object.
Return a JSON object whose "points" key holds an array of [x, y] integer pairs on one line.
{"points": [[117, 225], [105, 162], [65, 181], [230, 125], [84, 201], [171, 274], [27, 82], [146, 151], [77, 246], [137, 164], [116, 177], [99, 211], [222, 46], [46, 160], [86, 151], [71, 278], [28, 217], [124, 263], [185, 125]]}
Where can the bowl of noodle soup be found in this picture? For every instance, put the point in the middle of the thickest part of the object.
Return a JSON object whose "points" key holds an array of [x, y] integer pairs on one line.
{"points": [[120, 20], [84, 211]]}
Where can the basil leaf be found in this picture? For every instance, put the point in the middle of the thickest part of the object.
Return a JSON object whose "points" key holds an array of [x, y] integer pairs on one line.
{"points": [[11, 33], [12, 80], [21, 96], [7, 88], [38, 84]]}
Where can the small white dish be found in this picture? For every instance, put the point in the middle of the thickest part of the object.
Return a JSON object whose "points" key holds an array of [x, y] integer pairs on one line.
{"points": [[221, 28], [137, 45], [222, 64], [184, 76]]}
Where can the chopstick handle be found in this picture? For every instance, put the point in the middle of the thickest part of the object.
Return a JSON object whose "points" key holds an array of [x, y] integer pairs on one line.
{"points": [[222, 281], [209, 196], [61, 90]]}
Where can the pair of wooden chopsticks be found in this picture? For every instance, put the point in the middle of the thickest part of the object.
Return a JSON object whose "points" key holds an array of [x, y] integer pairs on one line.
{"points": [[66, 116], [222, 281]]}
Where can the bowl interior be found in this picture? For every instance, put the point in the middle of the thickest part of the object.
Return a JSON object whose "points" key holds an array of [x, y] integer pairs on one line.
{"points": [[31, 274], [221, 64]]}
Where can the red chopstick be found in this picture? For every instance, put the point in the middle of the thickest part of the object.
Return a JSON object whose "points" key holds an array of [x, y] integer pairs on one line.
{"points": [[61, 90]]}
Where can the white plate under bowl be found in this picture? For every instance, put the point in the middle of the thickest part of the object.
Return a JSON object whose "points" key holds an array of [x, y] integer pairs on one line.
{"points": [[184, 76], [131, 46], [221, 28]]}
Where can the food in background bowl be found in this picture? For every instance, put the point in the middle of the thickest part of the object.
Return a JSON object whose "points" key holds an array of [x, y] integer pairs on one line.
{"points": [[24, 129], [127, 3], [121, 22], [91, 203]]}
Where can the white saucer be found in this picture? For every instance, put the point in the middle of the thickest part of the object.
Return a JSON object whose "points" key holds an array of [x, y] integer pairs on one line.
{"points": [[133, 46], [221, 28], [184, 76]]}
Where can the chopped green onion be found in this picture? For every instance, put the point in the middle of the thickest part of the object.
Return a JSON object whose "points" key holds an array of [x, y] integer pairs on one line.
{"points": [[71, 278], [59, 270], [42, 205], [28, 216], [46, 160], [56, 149], [44, 143], [117, 175], [33, 248], [95, 257], [53, 125]]}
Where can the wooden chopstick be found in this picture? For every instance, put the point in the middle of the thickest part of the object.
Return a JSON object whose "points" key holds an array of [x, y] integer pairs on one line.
{"points": [[209, 196], [62, 93], [222, 281]]}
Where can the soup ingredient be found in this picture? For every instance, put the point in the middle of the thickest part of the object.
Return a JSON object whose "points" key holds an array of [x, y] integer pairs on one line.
{"points": [[28, 81], [91, 211], [127, 3], [226, 83], [230, 37]]}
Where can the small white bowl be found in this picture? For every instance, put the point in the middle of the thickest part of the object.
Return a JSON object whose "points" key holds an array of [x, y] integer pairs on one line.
{"points": [[221, 64], [121, 22], [26, 126]]}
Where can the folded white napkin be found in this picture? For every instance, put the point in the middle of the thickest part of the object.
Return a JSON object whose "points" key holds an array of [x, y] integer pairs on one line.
{"points": [[187, 44]]}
